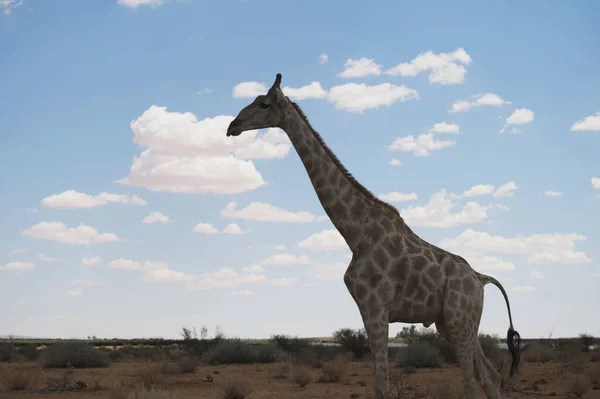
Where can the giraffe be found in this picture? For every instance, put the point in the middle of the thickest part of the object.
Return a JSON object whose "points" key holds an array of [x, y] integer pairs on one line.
{"points": [[394, 275]]}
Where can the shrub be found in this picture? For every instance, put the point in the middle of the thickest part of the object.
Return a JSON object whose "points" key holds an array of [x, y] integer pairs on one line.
{"points": [[539, 354], [139, 392], [7, 352], [187, 364], [238, 352], [77, 354], [235, 389], [579, 384], [587, 341], [29, 351], [419, 356], [289, 344], [354, 341], [301, 375], [17, 380], [151, 375], [335, 370]]}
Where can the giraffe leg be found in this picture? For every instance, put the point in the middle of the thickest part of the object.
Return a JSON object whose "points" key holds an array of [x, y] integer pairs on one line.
{"points": [[377, 328], [491, 377]]}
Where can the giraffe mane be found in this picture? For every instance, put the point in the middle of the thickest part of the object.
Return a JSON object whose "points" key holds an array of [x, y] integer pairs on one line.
{"points": [[362, 189]]}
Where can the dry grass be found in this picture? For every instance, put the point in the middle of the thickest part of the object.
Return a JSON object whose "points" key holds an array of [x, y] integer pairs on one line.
{"points": [[121, 391], [539, 354], [235, 389], [153, 375], [579, 385], [334, 370], [302, 375], [17, 380], [187, 364]]}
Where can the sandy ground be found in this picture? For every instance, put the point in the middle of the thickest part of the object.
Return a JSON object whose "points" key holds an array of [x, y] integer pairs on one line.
{"points": [[548, 379]]}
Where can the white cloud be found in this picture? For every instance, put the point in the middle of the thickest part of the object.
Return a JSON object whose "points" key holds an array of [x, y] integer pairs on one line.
{"points": [[233, 228], [9, 5], [329, 271], [283, 281], [85, 282], [519, 117], [249, 89], [138, 3], [506, 190], [280, 248], [595, 183], [438, 212], [156, 217], [205, 228], [76, 292], [396, 196], [71, 199], [91, 261], [286, 259], [541, 248], [488, 264], [225, 278], [421, 146], [18, 267], [125, 264], [479, 100], [360, 68], [323, 58], [357, 97], [589, 123], [443, 127], [396, 162], [264, 212], [312, 90], [45, 258], [536, 274], [325, 240], [253, 269], [81, 235], [550, 193], [17, 251], [204, 91], [479, 189], [159, 272], [187, 155], [524, 288], [243, 292], [445, 68]]}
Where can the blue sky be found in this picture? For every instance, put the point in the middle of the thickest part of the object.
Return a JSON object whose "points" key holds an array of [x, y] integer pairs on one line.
{"points": [[127, 212]]}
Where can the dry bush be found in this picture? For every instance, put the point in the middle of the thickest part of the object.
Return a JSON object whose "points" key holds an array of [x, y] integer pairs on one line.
{"points": [[235, 389], [354, 341], [7, 352], [539, 354], [77, 354], [17, 380], [301, 375], [579, 384], [122, 391], [59, 382], [334, 370], [419, 356], [283, 369], [238, 352], [152, 375], [187, 364]]}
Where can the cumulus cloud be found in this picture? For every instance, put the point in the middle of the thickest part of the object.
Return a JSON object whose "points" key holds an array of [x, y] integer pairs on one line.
{"points": [[506, 190], [233, 228], [138, 3], [325, 240], [503, 190], [8, 5], [225, 278], [423, 144], [187, 155], [536, 274], [479, 189], [91, 261], [479, 100], [358, 97], [444, 68], [396, 196], [589, 123], [283, 281], [159, 272], [126, 264], [360, 68], [551, 193], [519, 117], [18, 267], [57, 231], [156, 217], [208, 228], [312, 90], [438, 212], [253, 269], [286, 259], [396, 162], [328, 271], [280, 247], [17, 251], [540, 248], [71, 199], [263, 212], [595, 183], [45, 258], [323, 58]]}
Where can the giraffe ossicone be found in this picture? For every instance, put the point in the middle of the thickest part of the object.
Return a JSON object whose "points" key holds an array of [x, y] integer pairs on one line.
{"points": [[394, 275]]}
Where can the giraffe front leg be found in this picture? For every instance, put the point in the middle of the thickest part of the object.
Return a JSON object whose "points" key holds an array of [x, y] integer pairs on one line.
{"points": [[377, 328]]}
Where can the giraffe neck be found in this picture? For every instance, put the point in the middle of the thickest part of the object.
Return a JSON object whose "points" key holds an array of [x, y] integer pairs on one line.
{"points": [[345, 201]]}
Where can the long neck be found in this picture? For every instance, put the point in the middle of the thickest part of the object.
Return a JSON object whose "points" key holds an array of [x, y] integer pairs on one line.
{"points": [[346, 202]]}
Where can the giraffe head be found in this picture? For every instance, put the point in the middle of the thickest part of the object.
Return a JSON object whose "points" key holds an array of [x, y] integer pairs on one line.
{"points": [[265, 111]]}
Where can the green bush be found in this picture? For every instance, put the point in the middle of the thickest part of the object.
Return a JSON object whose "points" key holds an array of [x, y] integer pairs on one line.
{"points": [[238, 352], [354, 341], [30, 351], [77, 354], [419, 356], [587, 341], [7, 352]]}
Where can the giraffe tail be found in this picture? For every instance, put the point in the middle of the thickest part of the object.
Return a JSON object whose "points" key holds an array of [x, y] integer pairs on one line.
{"points": [[513, 338]]}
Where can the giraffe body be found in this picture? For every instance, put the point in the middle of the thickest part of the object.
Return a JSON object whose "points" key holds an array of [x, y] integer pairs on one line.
{"points": [[394, 275]]}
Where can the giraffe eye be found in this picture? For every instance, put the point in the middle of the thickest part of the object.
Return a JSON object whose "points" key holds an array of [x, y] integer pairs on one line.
{"points": [[264, 105]]}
